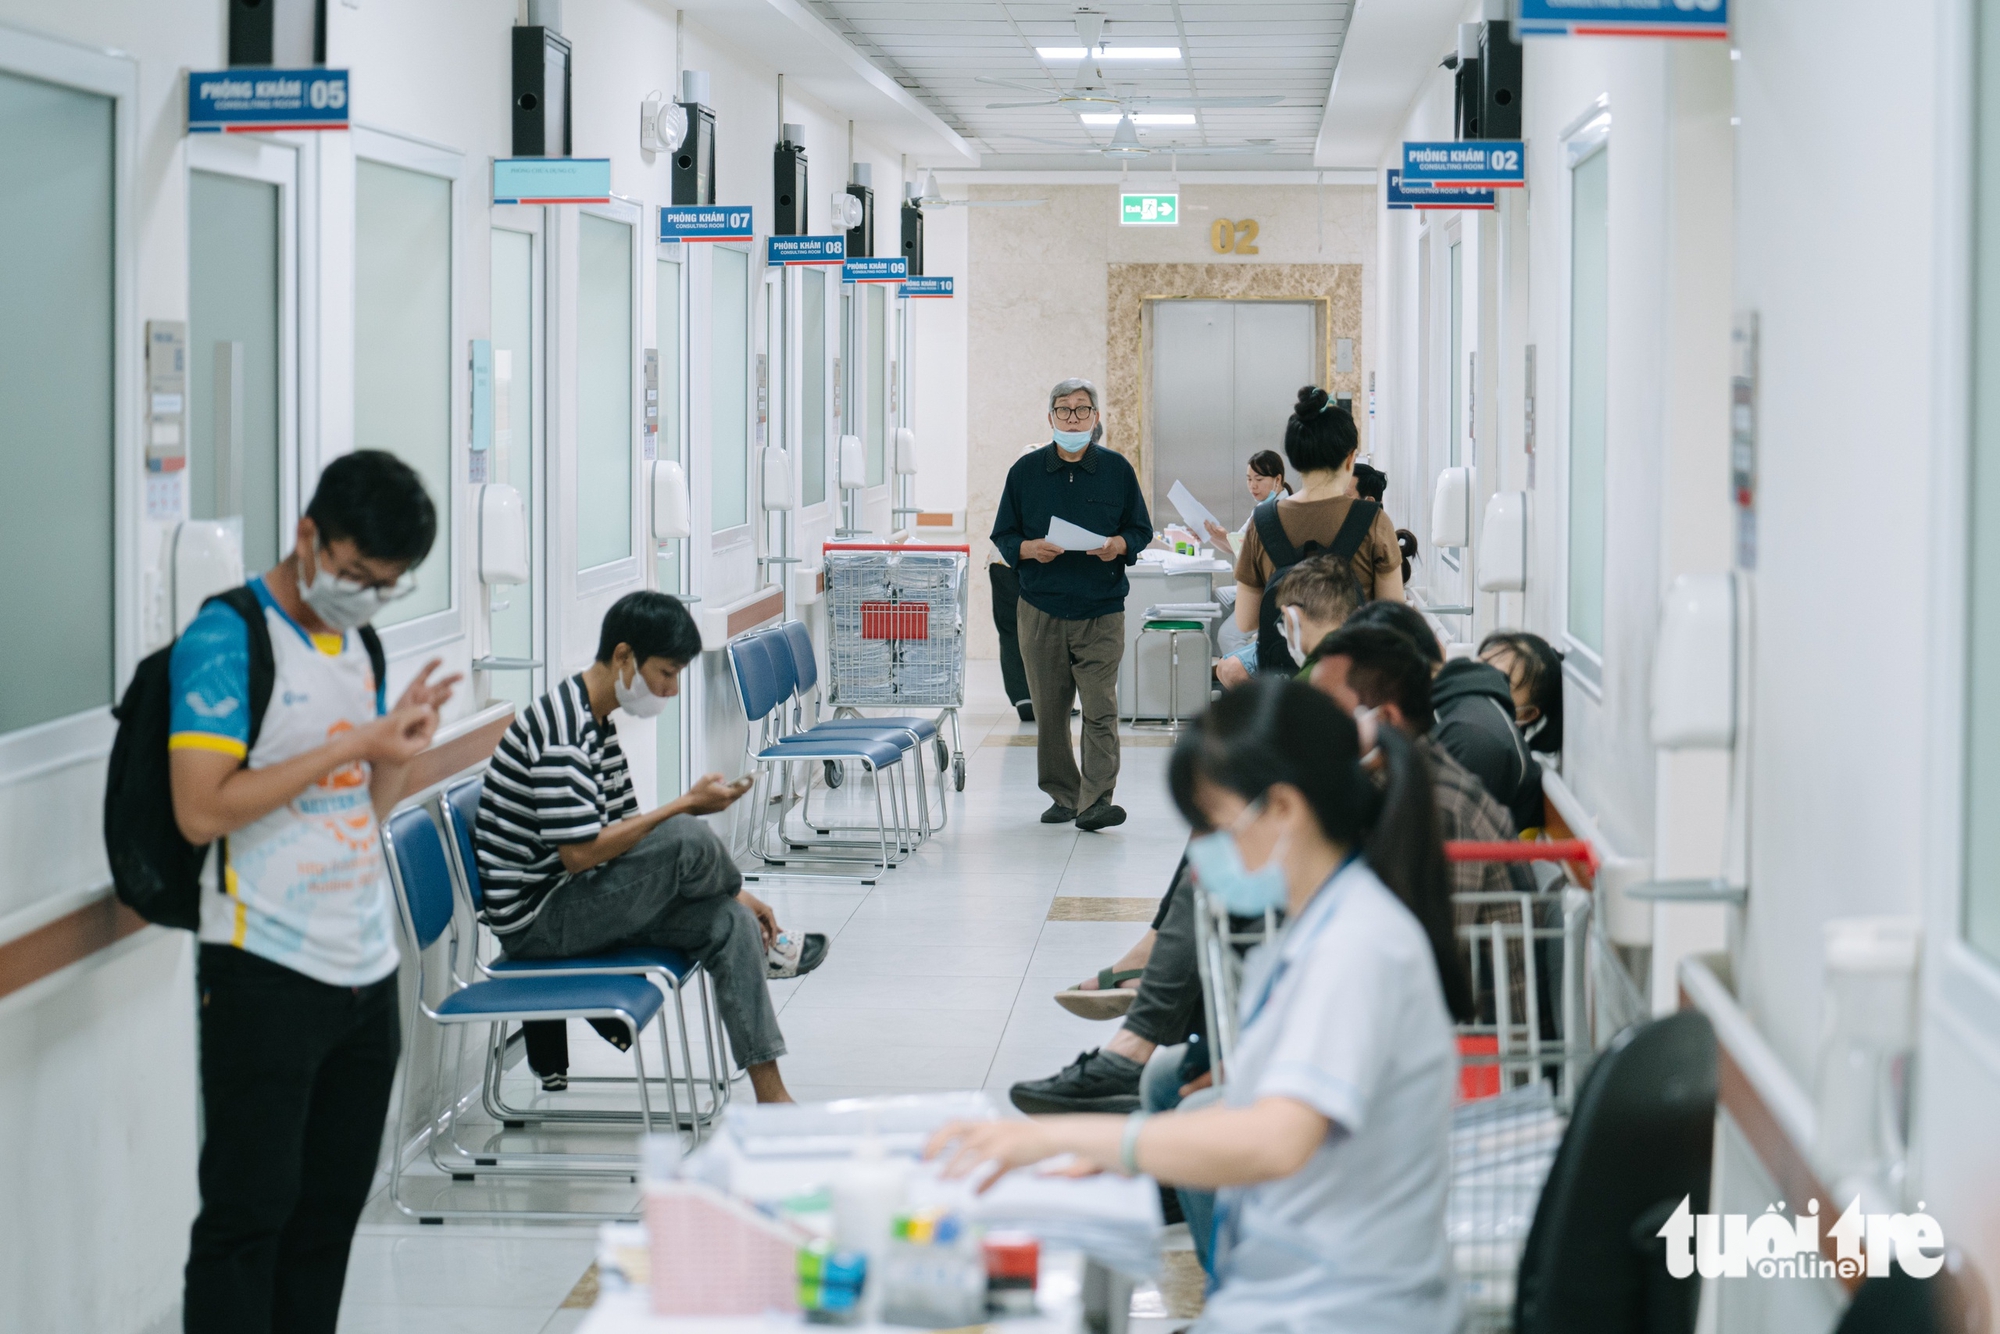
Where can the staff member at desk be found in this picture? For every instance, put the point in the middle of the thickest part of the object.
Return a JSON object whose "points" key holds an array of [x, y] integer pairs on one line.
{"points": [[1332, 1155], [1071, 618]]}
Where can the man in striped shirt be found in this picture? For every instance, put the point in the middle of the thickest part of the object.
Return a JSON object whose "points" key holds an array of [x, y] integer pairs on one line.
{"points": [[569, 866]]}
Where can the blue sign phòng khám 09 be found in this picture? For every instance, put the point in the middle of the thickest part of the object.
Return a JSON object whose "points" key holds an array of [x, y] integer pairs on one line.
{"points": [[891, 269], [1486, 163], [262, 100], [926, 287], [1398, 195], [1621, 18], [707, 222], [782, 250]]}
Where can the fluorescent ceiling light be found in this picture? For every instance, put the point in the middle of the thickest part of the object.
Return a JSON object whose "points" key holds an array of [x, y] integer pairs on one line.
{"points": [[1109, 53], [1140, 117]]}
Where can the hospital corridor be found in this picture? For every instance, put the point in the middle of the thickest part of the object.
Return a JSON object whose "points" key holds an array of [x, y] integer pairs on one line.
{"points": [[1033, 666]]}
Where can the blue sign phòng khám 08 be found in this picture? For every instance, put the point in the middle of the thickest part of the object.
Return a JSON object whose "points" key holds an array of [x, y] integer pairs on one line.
{"points": [[891, 269], [262, 100], [782, 250], [1487, 163], [1622, 18], [1398, 195], [928, 287], [707, 222]]}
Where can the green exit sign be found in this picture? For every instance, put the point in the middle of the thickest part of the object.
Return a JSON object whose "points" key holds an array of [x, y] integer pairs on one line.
{"points": [[1149, 210]]}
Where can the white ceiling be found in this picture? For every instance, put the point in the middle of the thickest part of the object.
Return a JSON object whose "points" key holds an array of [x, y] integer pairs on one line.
{"points": [[935, 49]]}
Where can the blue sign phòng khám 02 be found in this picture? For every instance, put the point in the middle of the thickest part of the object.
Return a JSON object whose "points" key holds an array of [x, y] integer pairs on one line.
{"points": [[1486, 163], [783, 250], [262, 100], [891, 269], [1622, 18], [1398, 195], [926, 287], [707, 222]]}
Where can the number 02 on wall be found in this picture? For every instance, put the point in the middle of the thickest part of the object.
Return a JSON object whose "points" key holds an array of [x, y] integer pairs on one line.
{"points": [[1226, 237]]}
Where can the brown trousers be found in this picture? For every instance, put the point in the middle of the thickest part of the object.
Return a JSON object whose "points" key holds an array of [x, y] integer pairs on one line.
{"points": [[1068, 660]]}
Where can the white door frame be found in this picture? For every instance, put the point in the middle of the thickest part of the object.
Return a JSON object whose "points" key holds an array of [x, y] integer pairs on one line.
{"points": [[530, 221]]}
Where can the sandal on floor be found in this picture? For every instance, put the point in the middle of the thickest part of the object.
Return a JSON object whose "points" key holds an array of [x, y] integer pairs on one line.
{"points": [[794, 955], [1108, 1001]]}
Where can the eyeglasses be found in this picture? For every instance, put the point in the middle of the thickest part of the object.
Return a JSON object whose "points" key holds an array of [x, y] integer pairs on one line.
{"points": [[1073, 414]]}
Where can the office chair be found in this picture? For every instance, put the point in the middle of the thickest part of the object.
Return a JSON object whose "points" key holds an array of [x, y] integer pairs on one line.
{"points": [[1639, 1141]]}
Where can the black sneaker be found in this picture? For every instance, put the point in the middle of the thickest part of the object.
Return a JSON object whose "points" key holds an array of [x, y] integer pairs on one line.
{"points": [[555, 1083], [1026, 710], [1101, 815], [1059, 814], [1096, 1081]]}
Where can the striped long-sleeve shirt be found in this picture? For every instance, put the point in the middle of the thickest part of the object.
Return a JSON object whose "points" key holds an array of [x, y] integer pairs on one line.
{"points": [[558, 777]]}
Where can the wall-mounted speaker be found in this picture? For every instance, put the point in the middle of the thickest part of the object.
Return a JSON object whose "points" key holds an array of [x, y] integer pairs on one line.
{"points": [[1499, 81], [913, 239], [287, 34], [694, 163], [788, 184], [541, 93]]}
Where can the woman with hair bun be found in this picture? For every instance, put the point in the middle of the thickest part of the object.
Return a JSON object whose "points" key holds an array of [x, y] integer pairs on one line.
{"points": [[1320, 441]]}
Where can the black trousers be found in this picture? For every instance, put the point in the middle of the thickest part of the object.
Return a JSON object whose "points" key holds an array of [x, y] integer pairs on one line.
{"points": [[295, 1080], [1006, 597]]}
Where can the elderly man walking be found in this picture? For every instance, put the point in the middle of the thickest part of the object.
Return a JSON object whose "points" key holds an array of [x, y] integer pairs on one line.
{"points": [[1072, 610]]}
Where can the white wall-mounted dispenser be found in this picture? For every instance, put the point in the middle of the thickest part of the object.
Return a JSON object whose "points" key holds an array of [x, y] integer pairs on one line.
{"points": [[207, 558], [670, 502], [906, 452], [853, 463], [779, 490], [1503, 543], [663, 123], [503, 535], [843, 211], [806, 585], [1451, 509], [1694, 665]]}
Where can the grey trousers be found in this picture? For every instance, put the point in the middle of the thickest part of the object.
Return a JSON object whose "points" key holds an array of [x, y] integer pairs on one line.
{"points": [[676, 889], [1168, 1006], [1073, 660]]}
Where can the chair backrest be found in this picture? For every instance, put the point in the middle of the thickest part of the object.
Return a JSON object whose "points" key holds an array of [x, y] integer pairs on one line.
{"points": [[460, 809], [758, 683], [781, 661], [804, 665], [419, 871], [1638, 1143]]}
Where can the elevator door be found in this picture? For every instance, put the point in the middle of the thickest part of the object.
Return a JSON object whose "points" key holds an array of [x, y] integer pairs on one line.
{"points": [[1224, 376]]}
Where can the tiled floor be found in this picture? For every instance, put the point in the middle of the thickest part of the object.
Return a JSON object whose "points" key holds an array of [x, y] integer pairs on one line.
{"points": [[939, 977]]}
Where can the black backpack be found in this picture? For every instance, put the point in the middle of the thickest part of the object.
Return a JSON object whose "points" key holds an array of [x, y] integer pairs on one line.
{"points": [[1272, 653], [156, 871]]}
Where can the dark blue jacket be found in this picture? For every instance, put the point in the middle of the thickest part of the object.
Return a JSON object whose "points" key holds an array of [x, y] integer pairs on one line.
{"points": [[1099, 492]]}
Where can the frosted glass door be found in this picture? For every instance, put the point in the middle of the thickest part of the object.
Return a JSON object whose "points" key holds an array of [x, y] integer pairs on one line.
{"points": [[604, 422], [812, 386], [1589, 324], [668, 568], [56, 396], [515, 459], [234, 252], [878, 383], [729, 390], [402, 347]]}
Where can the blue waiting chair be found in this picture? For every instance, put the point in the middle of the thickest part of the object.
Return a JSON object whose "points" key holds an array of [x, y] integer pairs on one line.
{"points": [[458, 807], [763, 686], [420, 871]]}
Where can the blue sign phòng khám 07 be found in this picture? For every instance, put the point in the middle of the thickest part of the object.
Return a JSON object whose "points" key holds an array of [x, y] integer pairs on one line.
{"points": [[707, 222], [1398, 195], [782, 250], [1486, 163], [262, 100], [1622, 18], [891, 269]]}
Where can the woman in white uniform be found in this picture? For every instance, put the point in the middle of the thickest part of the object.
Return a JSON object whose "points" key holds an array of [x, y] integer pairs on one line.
{"points": [[1331, 1155]]}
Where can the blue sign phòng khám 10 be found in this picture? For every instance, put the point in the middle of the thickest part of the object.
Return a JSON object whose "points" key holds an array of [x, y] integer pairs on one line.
{"points": [[926, 287], [782, 250], [1398, 195], [707, 222], [1622, 18], [1487, 163], [891, 269], [262, 100]]}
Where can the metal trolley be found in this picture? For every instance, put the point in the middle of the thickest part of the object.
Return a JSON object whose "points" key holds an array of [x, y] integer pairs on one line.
{"points": [[1518, 1073], [896, 615]]}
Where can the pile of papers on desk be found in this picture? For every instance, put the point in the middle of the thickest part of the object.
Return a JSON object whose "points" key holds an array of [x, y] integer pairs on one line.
{"points": [[776, 1152], [1184, 611]]}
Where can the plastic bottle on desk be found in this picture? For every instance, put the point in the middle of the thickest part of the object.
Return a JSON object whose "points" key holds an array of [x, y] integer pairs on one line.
{"points": [[868, 1193], [1868, 1032]]}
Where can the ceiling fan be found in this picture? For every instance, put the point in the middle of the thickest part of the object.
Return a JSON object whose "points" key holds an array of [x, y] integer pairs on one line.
{"points": [[1125, 143], [926, 196]]}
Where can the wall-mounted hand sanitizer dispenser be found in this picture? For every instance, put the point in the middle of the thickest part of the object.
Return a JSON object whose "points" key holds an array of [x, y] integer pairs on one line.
{"points": [[1503, 543], [670, 502], [1451, 509], [906, 452], [503, 535], [207, 558], [1694, 665], [853, 463], [777, 489]]}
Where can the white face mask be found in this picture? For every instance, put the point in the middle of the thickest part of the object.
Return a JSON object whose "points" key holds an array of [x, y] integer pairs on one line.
{"points": [[638, 698], [342, 603]]}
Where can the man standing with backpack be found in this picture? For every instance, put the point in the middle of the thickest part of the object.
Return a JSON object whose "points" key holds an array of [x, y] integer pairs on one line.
{"points": [[281, 751]]}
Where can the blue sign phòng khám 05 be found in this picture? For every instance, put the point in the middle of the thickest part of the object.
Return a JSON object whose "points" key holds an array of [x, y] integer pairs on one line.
{"points": [[1621, 18], [1398, 195], [262, 100], [1500, 164], [782, 250], [891, 269], [707, 222]]}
